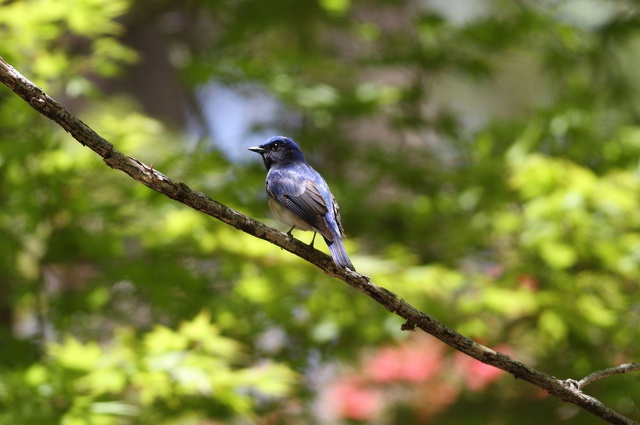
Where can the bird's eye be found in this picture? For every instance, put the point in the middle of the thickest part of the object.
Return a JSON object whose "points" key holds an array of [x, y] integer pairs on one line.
{"points": [[275, 146]]}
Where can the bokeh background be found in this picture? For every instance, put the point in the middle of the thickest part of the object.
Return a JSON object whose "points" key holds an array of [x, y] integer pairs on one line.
{"points": [[485, 155]]}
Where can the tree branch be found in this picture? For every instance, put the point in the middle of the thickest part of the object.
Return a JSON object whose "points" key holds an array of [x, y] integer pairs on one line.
{"points": [[600, 374], [180, 192]]}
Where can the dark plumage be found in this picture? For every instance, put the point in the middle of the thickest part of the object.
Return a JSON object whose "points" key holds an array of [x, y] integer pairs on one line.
{"points": [[299, 197]]}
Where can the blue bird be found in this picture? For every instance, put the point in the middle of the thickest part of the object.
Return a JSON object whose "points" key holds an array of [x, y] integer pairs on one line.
{"points": [[299, 197]]}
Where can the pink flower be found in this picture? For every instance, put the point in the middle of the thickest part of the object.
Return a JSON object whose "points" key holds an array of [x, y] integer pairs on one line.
{"points": [[350, 400], [384, 366], [419, 363], [413, 362]]}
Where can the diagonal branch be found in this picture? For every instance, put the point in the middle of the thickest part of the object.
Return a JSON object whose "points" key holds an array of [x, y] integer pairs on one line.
{"points": [[180, 192]]}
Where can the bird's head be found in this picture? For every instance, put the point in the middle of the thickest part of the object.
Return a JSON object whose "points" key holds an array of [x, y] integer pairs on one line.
{"points": [[279, 150]]}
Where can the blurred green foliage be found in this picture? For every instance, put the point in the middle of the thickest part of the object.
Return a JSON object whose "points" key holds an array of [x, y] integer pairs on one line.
{"points": [[174, 374], [486, 165]]}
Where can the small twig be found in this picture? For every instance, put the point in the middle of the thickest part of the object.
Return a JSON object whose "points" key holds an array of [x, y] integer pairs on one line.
{"points": [[601, 374]]}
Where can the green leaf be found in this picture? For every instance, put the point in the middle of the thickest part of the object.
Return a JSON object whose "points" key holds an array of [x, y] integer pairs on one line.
{"points": [[558, 255], [552, 327]]}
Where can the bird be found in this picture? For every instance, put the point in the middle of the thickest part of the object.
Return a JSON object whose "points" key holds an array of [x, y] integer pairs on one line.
{"points": [[299, 197]]}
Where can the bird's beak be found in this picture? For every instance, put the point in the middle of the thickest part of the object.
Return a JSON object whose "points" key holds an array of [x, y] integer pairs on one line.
{"points": [[257, 149]]}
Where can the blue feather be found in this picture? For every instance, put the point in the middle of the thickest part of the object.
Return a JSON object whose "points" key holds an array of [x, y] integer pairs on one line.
{"points": [[299, 196]]}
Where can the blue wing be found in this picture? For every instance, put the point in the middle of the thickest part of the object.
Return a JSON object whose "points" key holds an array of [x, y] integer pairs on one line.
{"points": [[300, 190]]}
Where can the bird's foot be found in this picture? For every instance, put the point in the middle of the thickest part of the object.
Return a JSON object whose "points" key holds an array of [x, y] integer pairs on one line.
{"points": [[291, 230]]}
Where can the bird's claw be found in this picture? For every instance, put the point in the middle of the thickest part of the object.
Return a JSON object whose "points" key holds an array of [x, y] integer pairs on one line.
{"points": [[313, 239]]}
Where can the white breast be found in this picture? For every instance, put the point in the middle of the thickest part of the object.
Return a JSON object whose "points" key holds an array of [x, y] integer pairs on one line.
{"points": [[285, 216]]}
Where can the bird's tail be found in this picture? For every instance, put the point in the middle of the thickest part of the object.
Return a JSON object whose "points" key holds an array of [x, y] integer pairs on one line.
{"points": [[339, 254]]}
